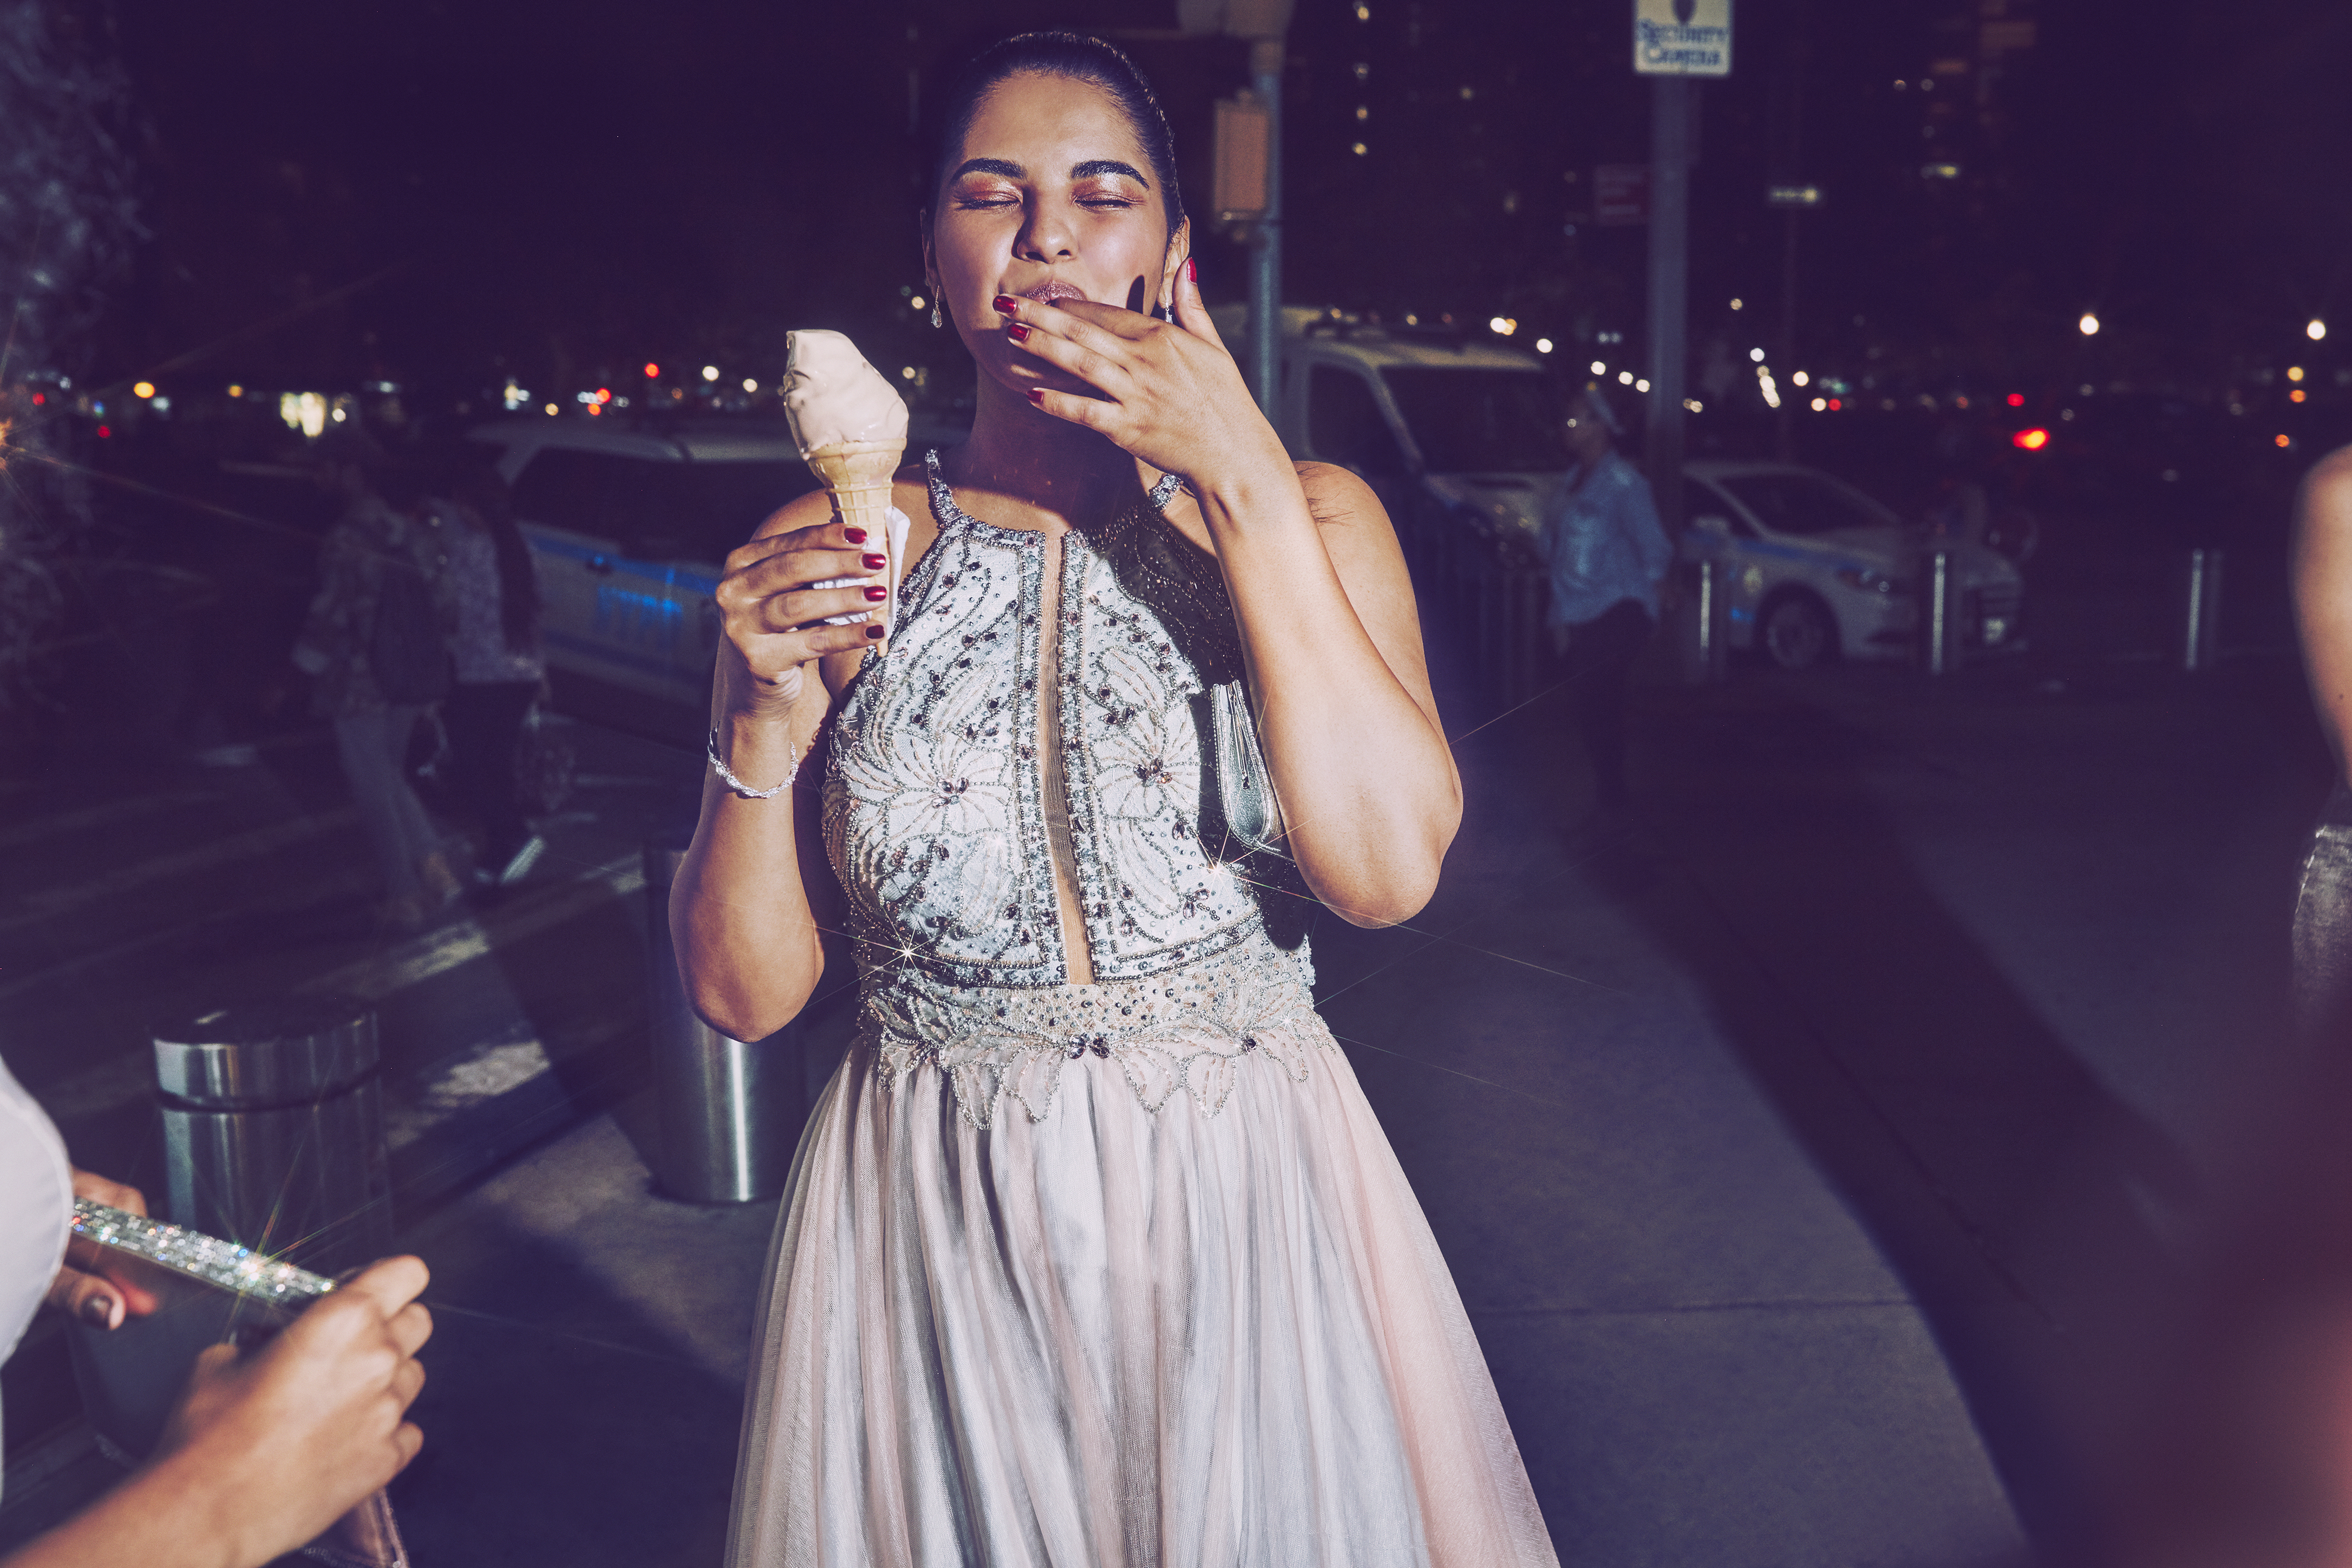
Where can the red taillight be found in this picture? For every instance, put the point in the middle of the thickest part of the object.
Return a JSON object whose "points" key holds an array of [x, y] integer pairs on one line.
{"points": [[2017, 400], [2030, 440]]}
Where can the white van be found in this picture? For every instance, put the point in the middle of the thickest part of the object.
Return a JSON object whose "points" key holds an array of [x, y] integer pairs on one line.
{"points": [[1434, 423]]}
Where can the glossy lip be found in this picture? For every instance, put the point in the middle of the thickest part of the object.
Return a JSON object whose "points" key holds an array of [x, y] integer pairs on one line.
{"points": [[1051, 290]]}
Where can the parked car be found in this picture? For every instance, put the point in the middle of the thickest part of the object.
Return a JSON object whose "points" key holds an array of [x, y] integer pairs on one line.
{"points": [[1467, 436], [629, 527], [1817, 570]]}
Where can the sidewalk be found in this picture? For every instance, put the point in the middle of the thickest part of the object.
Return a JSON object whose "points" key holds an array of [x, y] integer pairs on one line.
{"points": [[1781, 1144], [1802, 1150]]}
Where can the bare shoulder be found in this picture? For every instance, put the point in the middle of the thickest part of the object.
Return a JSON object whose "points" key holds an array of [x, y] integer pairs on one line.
{"points": [[2329, 483], [2324, 505], [1339, 499]]}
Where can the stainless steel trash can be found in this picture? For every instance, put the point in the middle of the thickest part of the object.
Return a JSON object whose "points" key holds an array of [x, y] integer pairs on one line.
{"points": [[273, 1130], [729, 1111]]}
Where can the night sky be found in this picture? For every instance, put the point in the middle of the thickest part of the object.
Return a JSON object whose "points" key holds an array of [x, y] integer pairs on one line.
{"points": [[563, 192]]}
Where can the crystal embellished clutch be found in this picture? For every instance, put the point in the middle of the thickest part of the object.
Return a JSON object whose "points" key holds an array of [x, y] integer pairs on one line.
{"points": [[208, 1292], [191, 1253]]}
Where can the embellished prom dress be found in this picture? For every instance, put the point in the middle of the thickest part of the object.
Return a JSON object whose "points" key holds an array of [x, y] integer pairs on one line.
{"points": [[1120, 1275]]}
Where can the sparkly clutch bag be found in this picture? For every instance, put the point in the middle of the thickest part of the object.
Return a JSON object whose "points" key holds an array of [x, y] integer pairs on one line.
{"points": [[1245, 788], [208, 1292]]}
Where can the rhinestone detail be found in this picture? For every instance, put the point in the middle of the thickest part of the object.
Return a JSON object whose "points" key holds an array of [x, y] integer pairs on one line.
{"points": [[1183, 1032], [197, 1254], [934, 810]]}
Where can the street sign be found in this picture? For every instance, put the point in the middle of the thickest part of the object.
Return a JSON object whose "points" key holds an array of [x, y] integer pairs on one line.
{"points": [[1621, 195], [1243, 127], [1793, 196], [1682, 37]]}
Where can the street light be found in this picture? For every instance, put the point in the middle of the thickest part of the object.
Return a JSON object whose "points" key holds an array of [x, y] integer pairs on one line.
{"points": [[2314, 329], [710, 373], [2089, 325]]}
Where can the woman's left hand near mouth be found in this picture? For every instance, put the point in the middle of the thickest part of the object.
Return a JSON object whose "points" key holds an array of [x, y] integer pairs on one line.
{"points": [[1171, 393]]}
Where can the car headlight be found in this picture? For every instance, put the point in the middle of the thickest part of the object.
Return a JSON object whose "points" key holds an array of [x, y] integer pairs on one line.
{"points": [[1870, 580]]}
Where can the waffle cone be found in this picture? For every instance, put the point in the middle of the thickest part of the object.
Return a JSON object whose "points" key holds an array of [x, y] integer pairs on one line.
{"points": [[856, 474]]}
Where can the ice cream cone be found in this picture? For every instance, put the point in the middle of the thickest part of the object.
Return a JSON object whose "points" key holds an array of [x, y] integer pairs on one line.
{"points": [[856, 474]]}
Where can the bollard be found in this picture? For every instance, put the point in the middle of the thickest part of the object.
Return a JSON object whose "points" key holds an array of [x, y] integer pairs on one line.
{"points": [[729, 1111], [273, 1130], [1939, 621], [2200, 640], [1706, 617]]}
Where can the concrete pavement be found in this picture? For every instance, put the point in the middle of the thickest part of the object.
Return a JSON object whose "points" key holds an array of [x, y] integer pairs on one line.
{"points": [[1809, 1151]]}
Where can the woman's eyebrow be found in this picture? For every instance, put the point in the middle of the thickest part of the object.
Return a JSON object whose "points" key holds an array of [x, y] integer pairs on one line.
{"points": [[1011, 170], [1094, 166]]}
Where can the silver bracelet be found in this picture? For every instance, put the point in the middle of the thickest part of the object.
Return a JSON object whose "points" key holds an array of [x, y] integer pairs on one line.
{"points": [[727, 776]]}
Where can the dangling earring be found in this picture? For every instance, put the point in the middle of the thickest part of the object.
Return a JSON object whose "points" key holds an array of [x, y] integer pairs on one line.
{"points": [[935, 312]]}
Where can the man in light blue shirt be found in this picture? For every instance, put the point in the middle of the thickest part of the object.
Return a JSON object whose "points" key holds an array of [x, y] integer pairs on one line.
{"points": [[1607, 555]]}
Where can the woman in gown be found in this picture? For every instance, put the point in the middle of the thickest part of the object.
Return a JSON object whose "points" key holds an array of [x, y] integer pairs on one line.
{"points": [[1093, 1253]]}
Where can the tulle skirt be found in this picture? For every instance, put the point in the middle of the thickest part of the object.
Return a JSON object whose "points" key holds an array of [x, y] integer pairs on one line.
{"points": [[1087, 1333]]}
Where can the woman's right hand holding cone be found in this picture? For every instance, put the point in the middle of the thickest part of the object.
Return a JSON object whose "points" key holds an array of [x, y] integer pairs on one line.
{"points": [[773, 612]]}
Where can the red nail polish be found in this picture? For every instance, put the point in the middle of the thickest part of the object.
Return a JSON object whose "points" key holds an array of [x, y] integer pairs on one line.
{"points": [[1037, 395], [876, 594], [855, 535], [1191, 271], [874, 632], [874, 562], [1006, 303], [1016, 331]]}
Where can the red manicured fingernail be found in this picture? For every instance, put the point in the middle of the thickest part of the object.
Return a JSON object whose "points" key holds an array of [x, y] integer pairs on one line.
{"points": [[876, 594], [1191, 271], [1037, 395], [874, 632], [1016, 331], [1006, 303], [874, 562], [855, 535]]}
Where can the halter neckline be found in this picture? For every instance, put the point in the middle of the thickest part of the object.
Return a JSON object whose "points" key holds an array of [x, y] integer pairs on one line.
{"points": [[944, 507]]}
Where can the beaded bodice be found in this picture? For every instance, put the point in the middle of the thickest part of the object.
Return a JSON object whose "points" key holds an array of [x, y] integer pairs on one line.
{"points": [[935, 799]]}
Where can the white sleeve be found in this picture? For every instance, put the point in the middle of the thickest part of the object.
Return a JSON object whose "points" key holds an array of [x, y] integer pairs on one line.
{"points": [[35, 1208]]}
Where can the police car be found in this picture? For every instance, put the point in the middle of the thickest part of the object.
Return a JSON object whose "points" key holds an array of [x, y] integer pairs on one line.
{"points": [[1816, 570], [628, 527]]}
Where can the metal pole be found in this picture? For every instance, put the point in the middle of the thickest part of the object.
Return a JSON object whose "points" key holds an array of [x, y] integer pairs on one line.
{"points": [[1671, 97], [1942, 623], [2200, 644], [1704, 651], [1265, 272], [1784, 427]]}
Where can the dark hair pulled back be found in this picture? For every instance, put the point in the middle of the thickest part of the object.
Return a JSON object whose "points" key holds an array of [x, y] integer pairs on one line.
{"points": [[1080, 58]]}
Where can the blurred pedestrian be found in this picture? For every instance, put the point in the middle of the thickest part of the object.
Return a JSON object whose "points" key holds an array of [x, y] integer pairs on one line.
{"points": [[375, 645], [500, 668], [1607, 553], [267, 1447]]}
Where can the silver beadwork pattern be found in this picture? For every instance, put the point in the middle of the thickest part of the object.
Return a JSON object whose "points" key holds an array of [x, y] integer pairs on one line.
{"points": [[201, 1256], [1188, 1031], [934, 820]]}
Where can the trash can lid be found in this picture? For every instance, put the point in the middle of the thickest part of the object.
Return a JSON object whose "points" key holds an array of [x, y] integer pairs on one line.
{"points": [[267, 1053]]}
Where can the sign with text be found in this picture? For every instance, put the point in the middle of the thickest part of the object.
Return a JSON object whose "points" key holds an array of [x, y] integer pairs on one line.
{"points": [[1620, 195], [1682, 37]]}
